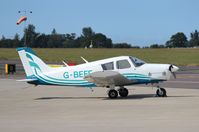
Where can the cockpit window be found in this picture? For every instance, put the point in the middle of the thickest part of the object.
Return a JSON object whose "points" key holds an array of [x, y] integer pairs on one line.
{"points": [[137, 62], [108, 66], [123, 64]]}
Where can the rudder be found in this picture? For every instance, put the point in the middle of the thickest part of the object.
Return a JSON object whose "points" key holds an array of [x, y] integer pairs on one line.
{"points": [[31, 61]]}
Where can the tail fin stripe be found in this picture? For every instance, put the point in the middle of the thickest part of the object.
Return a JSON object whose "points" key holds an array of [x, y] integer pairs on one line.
{"points": [[28, 56], [32, 64]]}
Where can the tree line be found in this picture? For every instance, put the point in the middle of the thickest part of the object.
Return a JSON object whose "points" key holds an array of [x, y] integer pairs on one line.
{"points": [[87, 39], [180, 40]]}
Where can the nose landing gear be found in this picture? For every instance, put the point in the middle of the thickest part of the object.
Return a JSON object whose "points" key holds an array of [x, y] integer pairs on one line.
{"points": [[161, 92]]}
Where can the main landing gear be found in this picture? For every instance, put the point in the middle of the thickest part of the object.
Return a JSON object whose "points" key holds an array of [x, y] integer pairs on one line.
{"points": [[123, 92], [112, 94], [161, 92]]}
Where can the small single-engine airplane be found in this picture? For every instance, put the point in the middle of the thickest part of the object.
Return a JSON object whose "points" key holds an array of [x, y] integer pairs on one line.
{"points": [[110, 73]]}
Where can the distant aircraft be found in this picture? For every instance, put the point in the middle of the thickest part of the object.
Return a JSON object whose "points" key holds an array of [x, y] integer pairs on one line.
{"points": [[110, 73]]}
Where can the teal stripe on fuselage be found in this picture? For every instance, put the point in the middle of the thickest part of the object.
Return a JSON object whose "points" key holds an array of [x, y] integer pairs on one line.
{"points": [[65, 79], [134, 75], [84, 81], [61, 83]]}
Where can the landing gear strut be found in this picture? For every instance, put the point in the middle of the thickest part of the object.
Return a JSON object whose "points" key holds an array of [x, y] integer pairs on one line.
{"points": [[161, 92]]}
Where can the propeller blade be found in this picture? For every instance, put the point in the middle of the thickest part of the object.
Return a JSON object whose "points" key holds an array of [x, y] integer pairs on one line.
{"points": [[171, 70], [174, 75]]}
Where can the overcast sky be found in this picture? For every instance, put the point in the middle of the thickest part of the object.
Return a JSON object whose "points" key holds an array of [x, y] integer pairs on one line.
{"points": [[139, 22]]}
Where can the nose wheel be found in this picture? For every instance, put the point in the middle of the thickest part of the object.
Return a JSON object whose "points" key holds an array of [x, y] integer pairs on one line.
{"points": [[161, 92]]}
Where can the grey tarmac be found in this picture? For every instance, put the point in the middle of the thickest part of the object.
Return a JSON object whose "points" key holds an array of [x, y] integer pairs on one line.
{"points": [[26, 108]]}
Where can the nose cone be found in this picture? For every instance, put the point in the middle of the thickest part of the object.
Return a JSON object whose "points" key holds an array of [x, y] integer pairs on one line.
{"points": [[175, 68]]}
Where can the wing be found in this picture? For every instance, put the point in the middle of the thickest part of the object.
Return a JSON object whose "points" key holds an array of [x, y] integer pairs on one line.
{"points": [[108, 78]]}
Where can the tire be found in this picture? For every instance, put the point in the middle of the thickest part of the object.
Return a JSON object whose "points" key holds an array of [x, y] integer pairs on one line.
{"points": [[123, 92], [112, 94], [161, 92]]}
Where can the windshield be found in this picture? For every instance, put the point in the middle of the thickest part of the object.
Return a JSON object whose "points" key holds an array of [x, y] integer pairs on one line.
{"points": [[137, 62]]}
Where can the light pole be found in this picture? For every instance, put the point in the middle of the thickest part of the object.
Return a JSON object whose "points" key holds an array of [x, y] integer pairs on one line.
{"points": [[25, 12]]}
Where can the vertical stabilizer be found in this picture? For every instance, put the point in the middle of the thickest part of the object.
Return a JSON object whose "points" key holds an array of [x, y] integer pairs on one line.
{"points": [[31, 62]]}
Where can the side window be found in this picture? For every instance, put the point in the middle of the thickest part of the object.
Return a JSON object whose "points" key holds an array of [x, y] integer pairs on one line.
{"points": [[123, 64], [108, 66]]}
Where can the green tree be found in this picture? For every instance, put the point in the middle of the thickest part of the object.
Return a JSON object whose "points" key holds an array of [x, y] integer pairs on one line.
{"points": [[101, 41], [41, 41], [86, 37], [3, 38], [177, 40], [98, 40], [6, 43], [30, 36], [2, 41], [71, 36], [87, 32], [55, 40], [109, 43], [122, 45], [16, 41], [156, 46], [194, 41], [71, 41], [54, 32]]}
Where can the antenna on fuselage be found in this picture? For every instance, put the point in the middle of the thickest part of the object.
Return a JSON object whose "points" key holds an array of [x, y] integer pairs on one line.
{"points": [[65, 63], [84, 59]]}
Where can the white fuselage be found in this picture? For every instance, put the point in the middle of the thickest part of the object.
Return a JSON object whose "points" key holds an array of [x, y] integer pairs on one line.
{"points": [[146, 73]]}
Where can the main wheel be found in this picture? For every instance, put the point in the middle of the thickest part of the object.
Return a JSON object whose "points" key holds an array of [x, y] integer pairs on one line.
{"points": [[112, 94], [161, 92], [123, 92]]}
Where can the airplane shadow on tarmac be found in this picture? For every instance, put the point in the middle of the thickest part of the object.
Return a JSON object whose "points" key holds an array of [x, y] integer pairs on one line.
{"points": [[137, 96]]}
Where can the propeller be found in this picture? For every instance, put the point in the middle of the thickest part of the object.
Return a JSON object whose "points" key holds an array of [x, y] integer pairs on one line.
{"points": [[173, 69]]}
